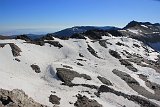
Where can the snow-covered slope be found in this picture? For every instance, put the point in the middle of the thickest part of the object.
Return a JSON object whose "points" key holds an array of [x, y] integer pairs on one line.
{"points": [[94, 58]]}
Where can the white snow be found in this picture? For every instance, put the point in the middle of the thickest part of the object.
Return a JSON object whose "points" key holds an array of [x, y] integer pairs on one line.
{"points": [[144, 26], [20, 75]]}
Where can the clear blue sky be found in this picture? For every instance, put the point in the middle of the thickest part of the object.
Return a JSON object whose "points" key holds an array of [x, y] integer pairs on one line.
{"points": [[52, 15]]}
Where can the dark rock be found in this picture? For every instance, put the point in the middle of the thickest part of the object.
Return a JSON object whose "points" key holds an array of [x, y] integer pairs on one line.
{"points": [[103, 43], [120, 44], [83, 101], [136, 86], [15, 49], [104, 80], [5, 100], [81, 60], [17, 59], [54, 99], [54, 43], [23, 37], [66, 66], [136, 45], [48, 37], [2, 45], [41, 43], [115, 33], [114, 54], [36, 68], [128, 65], [95, 34], [126, 77], [92, 51], [80, 64], [137, 99], [78, 36], [67, 75], [81, 55]]}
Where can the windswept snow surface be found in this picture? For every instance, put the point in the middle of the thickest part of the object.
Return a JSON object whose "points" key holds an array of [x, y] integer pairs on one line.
{"points": [[39, 86]]}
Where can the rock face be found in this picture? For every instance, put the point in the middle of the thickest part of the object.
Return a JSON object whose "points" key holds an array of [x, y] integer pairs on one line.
{"points": [[128, 65], [67, 75], [92, 51], [15, 49], [54, 99], [139, 100], [16, 98], [114, 54], [23, 37], [54, 43], [104, 80], [103, 43], [2, 45], [135, 85], [126, 77], [83, 101], [36, 68]]}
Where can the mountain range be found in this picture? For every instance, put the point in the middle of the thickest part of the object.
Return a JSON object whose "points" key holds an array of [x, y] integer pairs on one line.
{"points": [[102, 67]]}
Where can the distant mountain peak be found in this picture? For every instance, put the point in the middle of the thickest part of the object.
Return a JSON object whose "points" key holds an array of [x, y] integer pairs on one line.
{"points": [[136, 23]]}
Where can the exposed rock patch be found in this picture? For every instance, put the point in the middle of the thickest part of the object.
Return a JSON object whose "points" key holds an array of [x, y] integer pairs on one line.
{"points": [[15, 49], [54, 99], [114, 54], [104, 80], [80, 64], [36, 68], [66, 66], [81, 55], [81, 59], [83, 101], [137, 99], [135, 85], [103, 43], [78, 36], [128, 65], [16, 98], [92, 51], [67, 75], [17, 59], [136, 45], [54, 43], [23, 37], [120, 44], [151, 85], [2, 45]]}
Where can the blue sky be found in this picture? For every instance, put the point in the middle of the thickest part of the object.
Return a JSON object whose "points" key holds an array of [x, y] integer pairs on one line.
{"points": [[33, 16]]}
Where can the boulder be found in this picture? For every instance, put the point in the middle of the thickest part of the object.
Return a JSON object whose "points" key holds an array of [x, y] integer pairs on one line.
{"points": [[54, 99], [83, 101], [36, 68]]}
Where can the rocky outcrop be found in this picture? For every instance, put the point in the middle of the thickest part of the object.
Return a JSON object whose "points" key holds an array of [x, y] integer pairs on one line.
{"points": [[15, 49], [23, 37], [54, 99], [114, 54], [67, 75], [92, 51], [2, 45], [54, 43], [135, 85], [16, 98], [83, 101], [104, 80], [36, 68], [143, 102], [128, 65], [103, 43]]}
